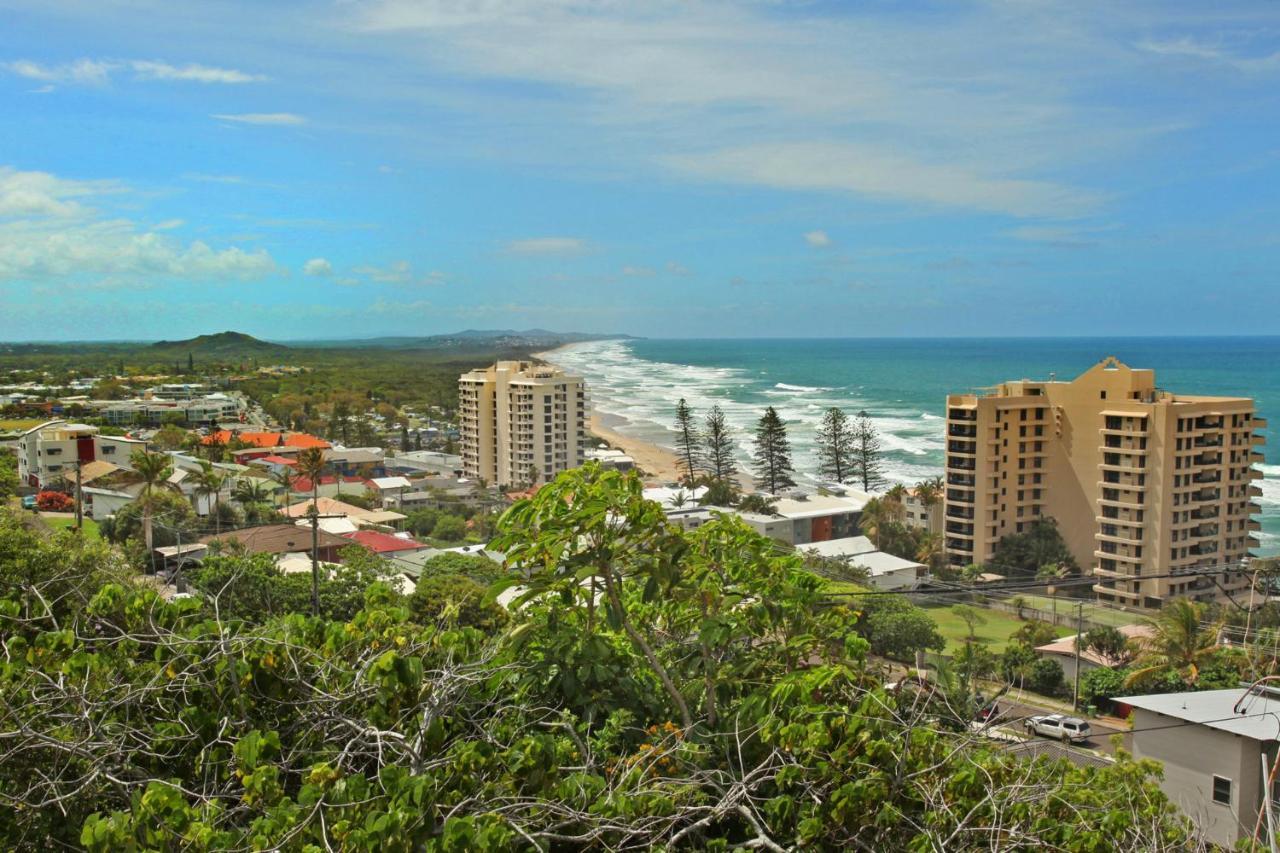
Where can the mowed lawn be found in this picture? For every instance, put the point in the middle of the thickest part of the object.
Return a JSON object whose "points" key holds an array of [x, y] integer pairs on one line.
{"points": [[11, 425], [90, 526], [996, 629], [1092, 612]]}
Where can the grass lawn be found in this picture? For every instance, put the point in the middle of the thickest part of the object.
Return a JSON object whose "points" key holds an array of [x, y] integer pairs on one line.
{"points": [[1092, 612], [11, 425], [90, 526], [996, 630]]}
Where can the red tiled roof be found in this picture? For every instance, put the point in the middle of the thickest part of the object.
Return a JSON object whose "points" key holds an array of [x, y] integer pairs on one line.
{"points": [[276, 460], [303, 484], [382, 543], [266, 439]]}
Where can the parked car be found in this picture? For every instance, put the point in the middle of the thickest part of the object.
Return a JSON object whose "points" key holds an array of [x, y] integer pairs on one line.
{"points": [[988, 712], [1060, 727], [28, 501]]}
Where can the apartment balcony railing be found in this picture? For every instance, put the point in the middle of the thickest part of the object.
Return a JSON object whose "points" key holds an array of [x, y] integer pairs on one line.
{"points": [[962, 430]]}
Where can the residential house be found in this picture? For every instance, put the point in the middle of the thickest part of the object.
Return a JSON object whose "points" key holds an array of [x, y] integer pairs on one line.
{"points": [[616, 460], [389, 489], [281, 539], [884, 571], [1064, 652], [805, 518], [1215, 746], [386, 544]]}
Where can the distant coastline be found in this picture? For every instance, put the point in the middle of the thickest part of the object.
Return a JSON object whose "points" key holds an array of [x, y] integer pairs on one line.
{"points": [[660, 464]]}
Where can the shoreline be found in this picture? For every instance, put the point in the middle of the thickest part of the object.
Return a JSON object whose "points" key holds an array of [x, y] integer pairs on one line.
{"points": [[659, 464]]}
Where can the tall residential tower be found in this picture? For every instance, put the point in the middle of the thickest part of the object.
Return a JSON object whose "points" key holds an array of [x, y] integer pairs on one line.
{"points": [[521, 423], [1142, 482]]}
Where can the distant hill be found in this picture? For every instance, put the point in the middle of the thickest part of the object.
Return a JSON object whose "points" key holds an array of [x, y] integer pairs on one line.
{"points": [[490, 338], [220, 344]]}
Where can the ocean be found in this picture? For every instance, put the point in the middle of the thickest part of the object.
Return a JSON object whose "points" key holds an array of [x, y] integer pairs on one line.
{"points": [[902, 384]]}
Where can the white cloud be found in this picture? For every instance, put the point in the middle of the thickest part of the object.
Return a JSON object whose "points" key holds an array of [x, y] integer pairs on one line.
{"points": [[546, 246], [398, 272], [317, 267], [261, 118], [1061, 236], [170, 224], [98, 71], [817, 239], [49, 232], [884, 174], [40, 194], [1190, 48], [637, 271], [82, 71], [192, 72], [676, 268]]}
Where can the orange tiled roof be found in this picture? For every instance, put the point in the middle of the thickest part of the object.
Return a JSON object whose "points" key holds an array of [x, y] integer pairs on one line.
{"points": [[266, 439]]}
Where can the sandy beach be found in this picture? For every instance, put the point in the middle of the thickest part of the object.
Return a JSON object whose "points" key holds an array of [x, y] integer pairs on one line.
{"points": [[657, 463]]}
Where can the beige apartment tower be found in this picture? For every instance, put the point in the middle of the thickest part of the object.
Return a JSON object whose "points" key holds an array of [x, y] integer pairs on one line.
{"points": [[1142, 482], [521, 423]]}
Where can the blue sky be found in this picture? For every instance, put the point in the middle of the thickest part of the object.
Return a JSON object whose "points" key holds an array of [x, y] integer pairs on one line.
{"points": [[353, 168]]}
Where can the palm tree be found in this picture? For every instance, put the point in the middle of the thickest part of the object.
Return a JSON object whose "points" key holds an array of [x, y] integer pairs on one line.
{"points": [[154, 469], [209, 482], [1179, 643], [929, 549], [285, 478], [875, 515], [251, 494], [311, 464], [928, 492], [895, 500]]}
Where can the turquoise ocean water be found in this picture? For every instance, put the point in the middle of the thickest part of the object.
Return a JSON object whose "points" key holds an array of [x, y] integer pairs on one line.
{"points": [[902, 384]]}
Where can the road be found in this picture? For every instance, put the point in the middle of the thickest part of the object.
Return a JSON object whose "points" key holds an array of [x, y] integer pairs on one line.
{"points": [[1012, 713]]}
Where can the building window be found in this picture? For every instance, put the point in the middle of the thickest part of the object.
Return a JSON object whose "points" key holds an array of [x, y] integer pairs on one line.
{"points": [[1222, 790]]}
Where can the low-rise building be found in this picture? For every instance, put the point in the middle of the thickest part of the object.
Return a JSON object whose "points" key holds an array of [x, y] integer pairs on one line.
{"points": [[805, 518], [615, 460], [922, 512], [1064, 652], [280, 539], [51, 451], [1215, 746], [884, 571]]}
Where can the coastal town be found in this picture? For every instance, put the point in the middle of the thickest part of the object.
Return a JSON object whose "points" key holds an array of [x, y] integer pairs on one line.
{"points": [[1073, 523]]}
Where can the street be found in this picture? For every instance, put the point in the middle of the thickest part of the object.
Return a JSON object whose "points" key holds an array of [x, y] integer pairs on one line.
{"points": [[1012, 713]]}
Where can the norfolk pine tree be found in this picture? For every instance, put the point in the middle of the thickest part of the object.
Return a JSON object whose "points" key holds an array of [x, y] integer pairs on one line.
{"points": [[867, 466], [773, 452], [719, 447], [688, 442], [836, 446]]}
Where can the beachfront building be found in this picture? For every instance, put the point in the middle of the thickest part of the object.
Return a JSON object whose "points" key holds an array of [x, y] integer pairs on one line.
{"points": [[805, 518], [51, 452], [522, 423], [1142, 482]]}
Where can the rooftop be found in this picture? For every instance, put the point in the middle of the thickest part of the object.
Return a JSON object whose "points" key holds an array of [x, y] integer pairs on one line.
{"points": [[1258, 718], [383, 543]]}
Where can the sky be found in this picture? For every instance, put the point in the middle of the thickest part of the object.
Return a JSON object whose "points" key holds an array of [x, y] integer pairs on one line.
{"points": [[357, 168]]}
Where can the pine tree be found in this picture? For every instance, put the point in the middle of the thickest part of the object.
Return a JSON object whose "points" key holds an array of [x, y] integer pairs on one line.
{"points": [[773, 452], [719, 446], [191, 363], [688, 442], [867, 466], [836, 446]]}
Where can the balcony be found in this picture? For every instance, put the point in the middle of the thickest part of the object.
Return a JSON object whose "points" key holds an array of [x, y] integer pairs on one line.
{"points": [[962, 480], [1103, 554], [959, 512], [1258, 423], [1207, 477], [968, 448], [955, 496], [961, 464], [955, 528], [959, 414], [959, 545], [962, 431]]}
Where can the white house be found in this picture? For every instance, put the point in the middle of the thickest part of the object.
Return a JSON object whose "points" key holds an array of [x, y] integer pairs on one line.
{"points": [[51, 450], [884, 571]]}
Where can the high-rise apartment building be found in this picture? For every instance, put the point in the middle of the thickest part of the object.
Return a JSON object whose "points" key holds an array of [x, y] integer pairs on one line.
{"points": [[521, 423], [1142, 482]]}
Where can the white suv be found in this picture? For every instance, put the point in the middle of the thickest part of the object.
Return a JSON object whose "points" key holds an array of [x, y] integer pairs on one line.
{"points": [[1060, 727]]}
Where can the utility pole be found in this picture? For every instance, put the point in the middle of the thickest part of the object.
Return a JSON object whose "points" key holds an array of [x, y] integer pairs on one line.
{"points": [[1075, 691], [315, 559], [79, 500]]}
